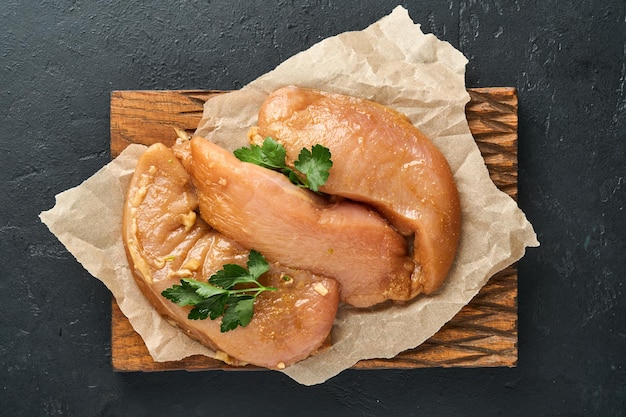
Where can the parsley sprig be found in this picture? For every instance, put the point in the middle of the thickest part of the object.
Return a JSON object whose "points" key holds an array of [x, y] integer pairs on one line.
{"points": [[229, 293], [312, 166]]}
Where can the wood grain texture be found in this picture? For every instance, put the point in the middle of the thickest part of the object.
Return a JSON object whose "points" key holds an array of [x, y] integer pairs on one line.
{"points": [[482, 334]]}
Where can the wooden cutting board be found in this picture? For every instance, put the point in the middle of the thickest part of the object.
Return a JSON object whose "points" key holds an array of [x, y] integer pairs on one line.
{"points": [[482, 334]]}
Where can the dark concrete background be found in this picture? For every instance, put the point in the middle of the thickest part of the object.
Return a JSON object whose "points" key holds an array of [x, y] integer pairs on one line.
{"points": [[59, 61]]}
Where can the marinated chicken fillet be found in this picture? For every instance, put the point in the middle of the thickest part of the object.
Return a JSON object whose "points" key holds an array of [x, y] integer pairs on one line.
{"points": [[165, 241], [379, 158], [262, 210]]}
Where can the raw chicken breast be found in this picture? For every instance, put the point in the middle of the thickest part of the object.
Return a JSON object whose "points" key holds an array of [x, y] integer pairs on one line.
{"points": [[379, 158], [262, 210], [165, 242]]}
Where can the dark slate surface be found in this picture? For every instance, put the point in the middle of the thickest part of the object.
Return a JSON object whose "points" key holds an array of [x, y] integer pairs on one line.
{"points": [[59, 61]]}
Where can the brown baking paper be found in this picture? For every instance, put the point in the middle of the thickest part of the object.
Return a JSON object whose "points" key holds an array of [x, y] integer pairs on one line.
{"points": [[391, 62]]}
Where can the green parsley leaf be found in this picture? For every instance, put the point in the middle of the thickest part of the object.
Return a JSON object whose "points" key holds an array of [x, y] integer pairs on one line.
{"points": [[183, 294], [210, 307], [229, 293], [270, 155], [203, 289], [315, 164], [257, 264], [238, 314], [230, 276], [311, 169]]}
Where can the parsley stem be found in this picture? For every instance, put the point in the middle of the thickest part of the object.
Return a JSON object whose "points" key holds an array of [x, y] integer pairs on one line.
{"points": [[256, 291]]}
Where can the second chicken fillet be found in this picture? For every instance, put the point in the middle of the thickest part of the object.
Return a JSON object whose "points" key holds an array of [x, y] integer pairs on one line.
{"points": [[263, 210]]}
